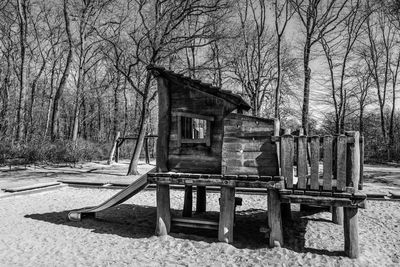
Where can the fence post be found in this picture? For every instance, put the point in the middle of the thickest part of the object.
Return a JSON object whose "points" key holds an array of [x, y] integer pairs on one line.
{"points": [[114, 148], [350, 224]]}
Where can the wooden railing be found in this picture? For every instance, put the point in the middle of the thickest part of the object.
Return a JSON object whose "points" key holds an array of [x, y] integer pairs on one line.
{"points": [[342, 162]]}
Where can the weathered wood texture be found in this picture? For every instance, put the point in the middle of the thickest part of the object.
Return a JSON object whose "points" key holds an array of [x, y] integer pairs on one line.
{"points": [[287, 151], [203, 157], [314, 147], [302, 162], [226, 215], [247, 147], [163, 224], [164, 119], [350, 225], [328, 162], [274, 219], [337, 215], [341, 153]]}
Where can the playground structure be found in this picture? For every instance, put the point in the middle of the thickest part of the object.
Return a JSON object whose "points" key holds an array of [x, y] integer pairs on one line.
{"points": [[204, 139]]}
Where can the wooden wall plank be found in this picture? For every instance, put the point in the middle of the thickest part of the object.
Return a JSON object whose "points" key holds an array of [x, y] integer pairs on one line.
{"points": [[164, 109], [341, 162], [327, 163], [314, 145], [287, 150], [302, 167]]}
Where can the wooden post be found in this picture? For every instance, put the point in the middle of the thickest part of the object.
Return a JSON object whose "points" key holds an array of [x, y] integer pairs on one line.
{"points": [[201, 200], [164, 117], [287, 150], [113, 148], [350, 226], [163, 224], [226, 215], [188, 201], [146, 151], [117, 152], [341, 153], [274, 219], [337, 215]]}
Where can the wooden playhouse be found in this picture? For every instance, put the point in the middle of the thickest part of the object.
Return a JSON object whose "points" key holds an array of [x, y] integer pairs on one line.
{"points": [[205, 140]]}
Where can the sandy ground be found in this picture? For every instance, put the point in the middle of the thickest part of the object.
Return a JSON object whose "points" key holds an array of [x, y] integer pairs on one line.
{"points": [[34, 232]]}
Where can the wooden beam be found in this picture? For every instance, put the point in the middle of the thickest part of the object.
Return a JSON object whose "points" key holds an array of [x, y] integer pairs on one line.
{"points": [[192, 115], [163, 223], [274, 219], [226, 215]]}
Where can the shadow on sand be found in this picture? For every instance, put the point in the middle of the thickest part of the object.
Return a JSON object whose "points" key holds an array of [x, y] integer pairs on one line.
{"points": [[135, 221]]}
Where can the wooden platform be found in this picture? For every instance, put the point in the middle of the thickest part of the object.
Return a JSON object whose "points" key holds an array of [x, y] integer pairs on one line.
{"points": [[228, 202]]}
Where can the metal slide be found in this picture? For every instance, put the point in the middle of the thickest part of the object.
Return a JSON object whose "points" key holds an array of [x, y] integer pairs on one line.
{"points": [[125, 194]]}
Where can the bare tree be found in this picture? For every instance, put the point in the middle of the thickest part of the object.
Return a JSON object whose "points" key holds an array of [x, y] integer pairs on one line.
{"points": [[54, 131], [283, 14], [338, 47], [318, 18]]}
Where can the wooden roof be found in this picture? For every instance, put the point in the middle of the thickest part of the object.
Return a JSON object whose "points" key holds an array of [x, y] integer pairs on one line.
{"points": [[226, 95]]}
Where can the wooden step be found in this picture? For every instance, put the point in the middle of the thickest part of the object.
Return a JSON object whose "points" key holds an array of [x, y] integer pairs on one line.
{"points": [[194, 223]]}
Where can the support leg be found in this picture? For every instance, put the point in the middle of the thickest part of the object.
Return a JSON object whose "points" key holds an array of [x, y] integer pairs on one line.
{"points": [[226, 215], [188, 201], [274, 219], [350, 226], [337, 215], [163, 224], [201, 199], [286, 211]]}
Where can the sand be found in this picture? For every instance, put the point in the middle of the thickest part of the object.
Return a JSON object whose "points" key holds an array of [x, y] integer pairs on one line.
{"points": [[34, 232]]}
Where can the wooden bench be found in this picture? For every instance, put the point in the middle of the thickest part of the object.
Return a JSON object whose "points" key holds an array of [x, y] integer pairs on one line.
{"points": [[338, 183]]}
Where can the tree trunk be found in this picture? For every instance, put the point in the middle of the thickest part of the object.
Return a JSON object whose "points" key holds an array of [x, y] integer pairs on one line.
{"points": [[55, 116], [23, 28], [142, 129], [306, 93]]}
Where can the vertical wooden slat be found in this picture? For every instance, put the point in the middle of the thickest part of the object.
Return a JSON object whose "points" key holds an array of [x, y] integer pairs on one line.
{"points": [[314, 185], [302, 162], [277, 144], [327, 163], [287, 147], [179, 135], [341, 162], [201, 199], [208, 133], [226, 215], [164, 113], [188, 201]]}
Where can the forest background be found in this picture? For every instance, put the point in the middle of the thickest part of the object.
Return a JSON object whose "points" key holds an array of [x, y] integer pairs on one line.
{"points": [[73, 72]]}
